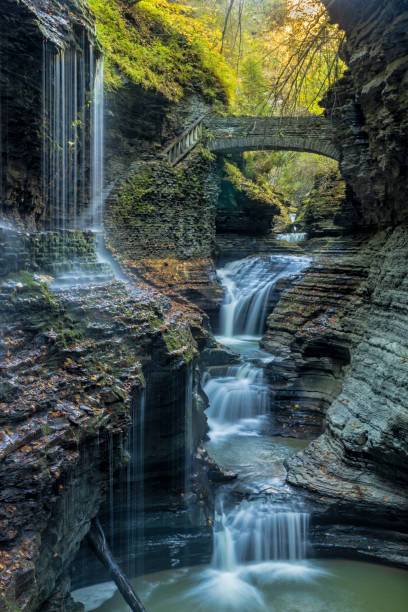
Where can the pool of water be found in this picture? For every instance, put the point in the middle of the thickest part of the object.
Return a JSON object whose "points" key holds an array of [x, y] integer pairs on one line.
{"points": [[319, 586], [255, 456], [246, 346]]}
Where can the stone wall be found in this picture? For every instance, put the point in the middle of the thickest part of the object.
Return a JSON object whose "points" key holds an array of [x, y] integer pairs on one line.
{"points": [[160, 212], [45, 252]]}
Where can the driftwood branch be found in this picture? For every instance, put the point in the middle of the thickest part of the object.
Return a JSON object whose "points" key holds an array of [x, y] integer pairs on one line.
{"points": [[97, 541]]}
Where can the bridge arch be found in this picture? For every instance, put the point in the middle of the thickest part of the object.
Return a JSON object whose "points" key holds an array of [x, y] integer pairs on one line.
{"points": [[302, 134]]}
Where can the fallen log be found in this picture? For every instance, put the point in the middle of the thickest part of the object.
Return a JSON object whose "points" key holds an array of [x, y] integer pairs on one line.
{"points": [[97, 541]]}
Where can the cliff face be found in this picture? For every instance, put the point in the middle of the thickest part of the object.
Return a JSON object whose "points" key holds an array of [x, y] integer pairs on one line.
{"points": [[74, 366], [340, 334], [25, 28], [358, 466], [369, 107]]}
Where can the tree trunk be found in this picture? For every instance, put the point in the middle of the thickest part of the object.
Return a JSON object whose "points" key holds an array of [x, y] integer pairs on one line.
{"points": [[97, 540]]}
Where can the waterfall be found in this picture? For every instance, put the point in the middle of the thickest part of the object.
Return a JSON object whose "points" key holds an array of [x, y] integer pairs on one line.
{"points": [[188, 428], [249, 284], [292, 237], [257, 532], [248, 537], [241, 394], [72, 137], [97, 140], [135, 491]]}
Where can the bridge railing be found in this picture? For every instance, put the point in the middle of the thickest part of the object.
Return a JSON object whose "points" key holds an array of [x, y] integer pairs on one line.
{"points": [[184, 143]]}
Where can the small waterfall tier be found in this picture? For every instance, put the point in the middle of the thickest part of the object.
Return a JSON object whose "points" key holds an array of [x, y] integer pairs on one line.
{"points": [[249, 286], [292, 237], [240, 394], [257, 532]]}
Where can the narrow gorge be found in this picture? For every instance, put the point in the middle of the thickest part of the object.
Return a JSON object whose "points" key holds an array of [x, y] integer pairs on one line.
{"points": [[203, 305]]}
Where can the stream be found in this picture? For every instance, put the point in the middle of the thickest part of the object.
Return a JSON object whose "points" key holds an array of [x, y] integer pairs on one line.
{"points": [[262, 559]]}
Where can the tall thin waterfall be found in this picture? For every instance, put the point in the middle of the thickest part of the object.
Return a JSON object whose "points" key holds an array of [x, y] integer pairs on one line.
{"points": [[249, 284], [72, 148], [97, 139], [135, 491], [188, 428]]}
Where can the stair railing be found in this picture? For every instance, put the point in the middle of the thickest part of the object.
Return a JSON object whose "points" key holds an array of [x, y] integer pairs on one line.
{"points": [[184, 143]]}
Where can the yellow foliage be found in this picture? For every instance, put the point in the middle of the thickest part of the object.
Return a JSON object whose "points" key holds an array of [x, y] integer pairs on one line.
{"points": [[161, 46]]}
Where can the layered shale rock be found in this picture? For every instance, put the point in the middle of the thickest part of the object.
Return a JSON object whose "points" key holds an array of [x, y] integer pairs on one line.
{"points": [[369, 107], [305, 335], [338, 340], [340, 344], [74, 364], [161, 212], [359, 464], [329, 209]]}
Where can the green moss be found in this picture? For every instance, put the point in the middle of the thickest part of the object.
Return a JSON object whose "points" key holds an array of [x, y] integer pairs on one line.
{"points": [[180, 339], [68, 332], [137, 194], [161, 46], [28, 285], [256, 191]]}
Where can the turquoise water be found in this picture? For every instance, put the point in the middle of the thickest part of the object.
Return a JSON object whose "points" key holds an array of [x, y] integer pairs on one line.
{"points": [[321, 586]]}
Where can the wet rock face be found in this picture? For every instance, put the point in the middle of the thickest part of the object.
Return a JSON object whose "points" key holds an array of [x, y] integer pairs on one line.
{"points": [[164, 212], [329, 208], [24, 27], [371, 111], [305, 334], [70, 369], [348, 357]]}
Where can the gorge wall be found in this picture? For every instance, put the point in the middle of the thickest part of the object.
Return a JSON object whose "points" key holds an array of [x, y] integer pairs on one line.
{"points": [[76, 364], [369, 107], [340, 334]]}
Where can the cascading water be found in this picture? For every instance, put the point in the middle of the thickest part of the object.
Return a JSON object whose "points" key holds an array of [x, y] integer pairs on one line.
{"points": [[236, 398], [97, 140], [292, 237], [251, 536], [259, 531], [188, 428], [73, 158], [249, 284], [73, 132], [135, 490]]}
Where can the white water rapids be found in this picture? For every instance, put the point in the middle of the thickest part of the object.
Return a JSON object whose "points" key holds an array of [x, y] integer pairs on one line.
{"points": [[249, 285]]}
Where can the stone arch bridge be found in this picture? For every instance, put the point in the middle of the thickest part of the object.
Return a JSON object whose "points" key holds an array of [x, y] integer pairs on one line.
{"points": [[312, 134]]}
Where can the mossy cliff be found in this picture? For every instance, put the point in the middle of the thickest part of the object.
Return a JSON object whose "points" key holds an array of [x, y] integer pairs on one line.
{"points": [[160, 211], [161, 74], [245, 206]]}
